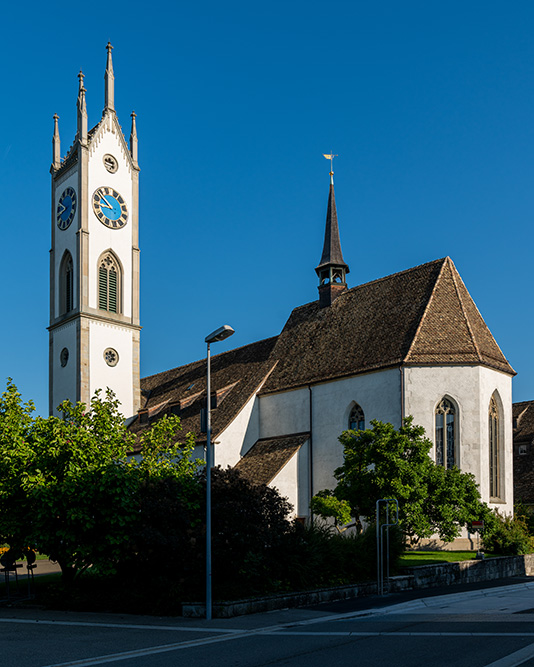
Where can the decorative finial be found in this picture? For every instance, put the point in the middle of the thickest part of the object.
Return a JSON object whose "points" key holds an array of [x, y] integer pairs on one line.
{"points": [[133, 138], [331, 156], [56, 146], [82, 111], [109, 79]]}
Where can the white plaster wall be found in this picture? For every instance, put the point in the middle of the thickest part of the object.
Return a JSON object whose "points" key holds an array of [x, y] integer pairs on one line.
{"points": [[102, 238], [491, 381], [64, 386], [102, 336], [471, 388], [289, 412], [65, 239], [284, 413], [292, 481], [378, 394], [239, 436]]}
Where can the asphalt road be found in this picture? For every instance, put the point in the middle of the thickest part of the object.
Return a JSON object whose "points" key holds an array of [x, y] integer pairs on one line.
{"points": [[474, 628]]}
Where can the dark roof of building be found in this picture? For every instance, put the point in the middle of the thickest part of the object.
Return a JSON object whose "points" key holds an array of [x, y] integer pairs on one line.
{"points": [[422, 316], [235, 376], [268, 456], [523, 414], [332, 255]]}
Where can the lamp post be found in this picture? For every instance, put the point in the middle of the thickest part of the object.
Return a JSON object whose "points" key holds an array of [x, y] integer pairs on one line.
{"points": [[219, 334]]}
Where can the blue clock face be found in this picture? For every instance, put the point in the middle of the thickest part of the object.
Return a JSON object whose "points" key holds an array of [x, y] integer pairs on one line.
{"points": [[66, 208], [110, 207]]}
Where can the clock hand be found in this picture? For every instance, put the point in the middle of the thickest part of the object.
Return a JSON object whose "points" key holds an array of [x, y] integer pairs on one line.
{"points": [[106, 203], [61, 208]]}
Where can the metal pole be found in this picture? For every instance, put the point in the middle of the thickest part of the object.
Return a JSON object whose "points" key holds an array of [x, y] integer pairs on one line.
{"points": [[378, 551], [208, 493]]}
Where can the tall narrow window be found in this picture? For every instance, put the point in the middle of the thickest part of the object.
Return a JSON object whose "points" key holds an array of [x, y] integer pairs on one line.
{"points": [[446, 433], [109, 282], [357, 419], [494, 449], [66, 284]]}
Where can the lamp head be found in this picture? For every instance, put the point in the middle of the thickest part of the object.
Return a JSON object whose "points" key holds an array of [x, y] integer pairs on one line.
{"points": [[219, 334]]}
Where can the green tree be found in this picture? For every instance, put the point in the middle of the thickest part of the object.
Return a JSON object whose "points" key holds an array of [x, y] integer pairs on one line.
{"points": [[68, 485], [382, 462]]}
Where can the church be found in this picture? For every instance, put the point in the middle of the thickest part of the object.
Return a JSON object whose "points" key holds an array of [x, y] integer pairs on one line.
{"points": [[412, 343]]}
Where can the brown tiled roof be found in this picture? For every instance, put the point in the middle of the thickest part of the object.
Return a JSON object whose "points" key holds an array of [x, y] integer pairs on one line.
{"points": [[523, 414], [235, 377], [268, 456], [422, 316]]}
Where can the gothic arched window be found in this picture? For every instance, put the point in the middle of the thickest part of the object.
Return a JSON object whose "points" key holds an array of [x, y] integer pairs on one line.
{"points": [[446, 429], [109, 283], [356, 419], [66, 284], [494, 449]]}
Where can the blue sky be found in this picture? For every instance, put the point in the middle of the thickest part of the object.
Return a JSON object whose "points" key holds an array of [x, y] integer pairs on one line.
{"points": [[430, 107]]}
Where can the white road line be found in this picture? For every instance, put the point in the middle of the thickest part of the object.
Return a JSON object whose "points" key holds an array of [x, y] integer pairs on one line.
{"points": [[140, 653], [514, 659], [385, 633], [128, 626], [153, 650]]}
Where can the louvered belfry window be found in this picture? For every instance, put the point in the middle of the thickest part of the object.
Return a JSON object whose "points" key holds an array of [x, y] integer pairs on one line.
{"points": [[494, 450], [446, 433], [109, 284]]}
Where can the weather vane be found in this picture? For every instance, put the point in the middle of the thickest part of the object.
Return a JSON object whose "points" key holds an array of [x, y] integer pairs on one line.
{"points": [[330, 156]]}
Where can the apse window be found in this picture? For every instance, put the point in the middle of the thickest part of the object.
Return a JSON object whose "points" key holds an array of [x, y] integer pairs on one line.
{"points": [[446, 433]]}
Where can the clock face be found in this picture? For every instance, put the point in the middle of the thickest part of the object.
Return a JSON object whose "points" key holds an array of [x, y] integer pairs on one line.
{"points": [[110, 207], [66, 208]]}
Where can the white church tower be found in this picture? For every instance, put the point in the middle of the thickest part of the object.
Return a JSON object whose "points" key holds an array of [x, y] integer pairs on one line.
{"points": [[94, 260]]}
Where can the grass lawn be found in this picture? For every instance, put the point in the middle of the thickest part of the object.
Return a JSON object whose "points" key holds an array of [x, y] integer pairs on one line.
{"points": [[414, 558]]}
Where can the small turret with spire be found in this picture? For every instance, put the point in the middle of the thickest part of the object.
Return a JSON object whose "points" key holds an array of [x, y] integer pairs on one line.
{"points": [[82, 111], [109, 79], [56, 145], [332, 269]]}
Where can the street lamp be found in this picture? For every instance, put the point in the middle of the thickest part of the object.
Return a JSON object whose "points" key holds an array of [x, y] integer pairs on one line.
{"points": [[219, 334]]}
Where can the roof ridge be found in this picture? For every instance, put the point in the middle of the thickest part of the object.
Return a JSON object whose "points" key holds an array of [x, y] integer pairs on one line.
{"points": [[377, 280], [425, 311], [281, 437], [485, 324], [462, 306]]}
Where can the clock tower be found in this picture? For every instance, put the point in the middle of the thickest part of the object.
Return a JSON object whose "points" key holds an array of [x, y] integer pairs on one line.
{"points": [[94, 260]]}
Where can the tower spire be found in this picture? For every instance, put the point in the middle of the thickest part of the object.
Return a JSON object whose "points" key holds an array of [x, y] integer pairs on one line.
{"points": [[332, 268], [82, 111], [109, 78], [133, 139], [56, 144]]}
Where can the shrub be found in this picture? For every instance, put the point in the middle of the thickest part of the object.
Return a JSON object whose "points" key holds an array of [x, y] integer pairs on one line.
{"points": [[507, 535]]}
